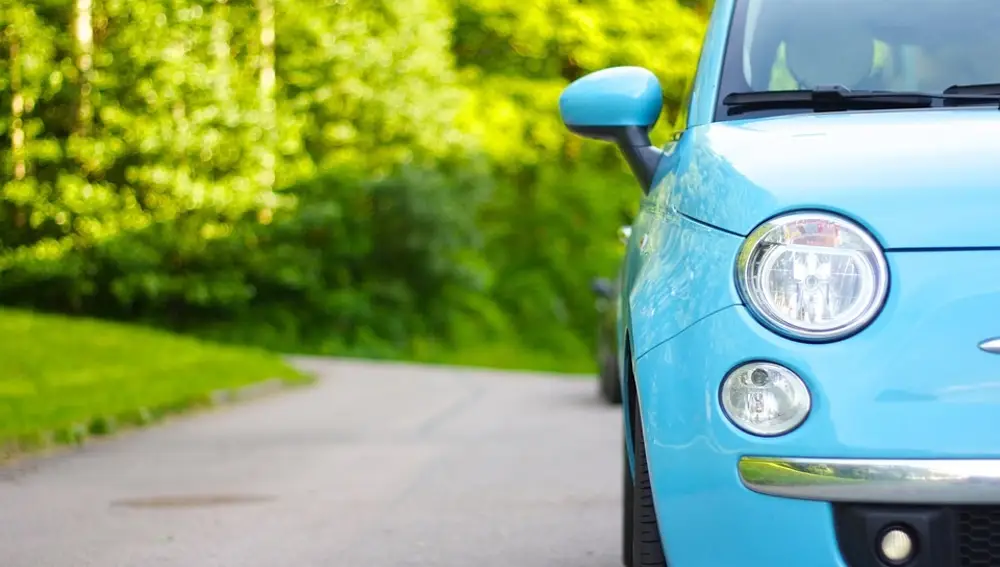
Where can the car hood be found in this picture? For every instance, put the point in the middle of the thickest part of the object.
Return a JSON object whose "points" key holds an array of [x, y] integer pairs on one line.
{"points": [[916, 178]]}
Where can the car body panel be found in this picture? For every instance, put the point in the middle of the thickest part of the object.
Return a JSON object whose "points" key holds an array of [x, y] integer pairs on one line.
{"points": [[681, 272], [916, 178], [697, 180], [693, 451], [652, 286], [902, 388], [699, 109], [912, 384]]}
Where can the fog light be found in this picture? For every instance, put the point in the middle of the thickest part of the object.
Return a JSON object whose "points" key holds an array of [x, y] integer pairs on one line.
{"points": [[765, 399], [896, 546]]}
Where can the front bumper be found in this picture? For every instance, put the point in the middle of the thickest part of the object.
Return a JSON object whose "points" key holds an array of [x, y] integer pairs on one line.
{"points": [[902, 390], [900, 481], [948, 507]]}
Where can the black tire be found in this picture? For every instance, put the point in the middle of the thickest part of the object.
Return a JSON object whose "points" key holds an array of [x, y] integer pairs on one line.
{"points": [[647, 548], [628, 499]]}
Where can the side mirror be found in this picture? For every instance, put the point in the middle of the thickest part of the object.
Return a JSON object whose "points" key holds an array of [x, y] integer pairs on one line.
{"points": [[619, 105], [602, 288]]}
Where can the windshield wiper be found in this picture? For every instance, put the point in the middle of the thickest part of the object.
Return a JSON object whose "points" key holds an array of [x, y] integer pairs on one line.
{"points": [[829, 99], [977, 89]]}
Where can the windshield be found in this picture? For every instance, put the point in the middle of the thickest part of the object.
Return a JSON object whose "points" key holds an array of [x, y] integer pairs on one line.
{"points": [[882, 45]]}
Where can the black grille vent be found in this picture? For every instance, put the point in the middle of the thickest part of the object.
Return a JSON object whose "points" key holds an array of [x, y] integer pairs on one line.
{"points": [[978, 536], [947, 536]]}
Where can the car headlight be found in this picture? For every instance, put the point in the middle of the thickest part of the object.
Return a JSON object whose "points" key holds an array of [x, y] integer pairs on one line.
{"points": [[812, 276]]}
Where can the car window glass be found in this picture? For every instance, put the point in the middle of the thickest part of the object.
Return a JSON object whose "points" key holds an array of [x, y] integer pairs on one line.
{"points": [[680, 123], [781, 77], [925, 45]]}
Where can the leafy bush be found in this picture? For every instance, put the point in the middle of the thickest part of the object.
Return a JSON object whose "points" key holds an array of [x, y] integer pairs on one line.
{"points": [[387, 178], [350, 252]]}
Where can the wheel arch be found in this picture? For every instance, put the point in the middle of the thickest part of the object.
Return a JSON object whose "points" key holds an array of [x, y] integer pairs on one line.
{"points": [[630, 401]]}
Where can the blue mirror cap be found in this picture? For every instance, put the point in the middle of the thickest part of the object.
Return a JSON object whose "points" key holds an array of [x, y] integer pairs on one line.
{"points": [[611, 98]]}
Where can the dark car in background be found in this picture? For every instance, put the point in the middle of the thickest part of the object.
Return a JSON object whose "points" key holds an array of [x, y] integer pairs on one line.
{"points": [[605, 291], [608, 381]]}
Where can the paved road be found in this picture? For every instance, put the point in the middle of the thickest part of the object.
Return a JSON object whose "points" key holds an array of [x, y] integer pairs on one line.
{"points": [[377, 465]]}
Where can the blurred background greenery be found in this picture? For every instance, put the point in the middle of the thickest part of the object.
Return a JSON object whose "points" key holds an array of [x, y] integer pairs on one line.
{"points": [[377, 178]]}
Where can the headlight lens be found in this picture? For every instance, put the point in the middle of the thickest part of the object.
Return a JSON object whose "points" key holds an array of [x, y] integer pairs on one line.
{"points": [[813, 276], [765, 399]]}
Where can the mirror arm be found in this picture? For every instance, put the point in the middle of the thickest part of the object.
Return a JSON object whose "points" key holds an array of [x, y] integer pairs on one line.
{"points": [[633, 141], [643, 160]]}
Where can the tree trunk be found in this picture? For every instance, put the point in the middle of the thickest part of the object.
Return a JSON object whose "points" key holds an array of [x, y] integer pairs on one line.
{"points": [[84, 36], [16, 104], [220, 49], [266, 86]]}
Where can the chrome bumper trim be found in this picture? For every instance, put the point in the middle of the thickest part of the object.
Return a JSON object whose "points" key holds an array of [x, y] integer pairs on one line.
{"points": [[888, 481]]}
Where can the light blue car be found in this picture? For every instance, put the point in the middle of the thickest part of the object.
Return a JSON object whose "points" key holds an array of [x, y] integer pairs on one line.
{"points": [[809, 319]]}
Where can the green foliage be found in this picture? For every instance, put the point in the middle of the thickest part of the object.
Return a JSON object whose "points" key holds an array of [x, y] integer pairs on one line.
{"points": [[70, 378], [367, 85], [385, 178], [562, 39], [551, 227]]}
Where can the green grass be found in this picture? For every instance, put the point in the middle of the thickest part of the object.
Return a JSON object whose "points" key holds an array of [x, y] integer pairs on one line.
{"points": [[505, 357], [63, 379], [496, 354]]}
